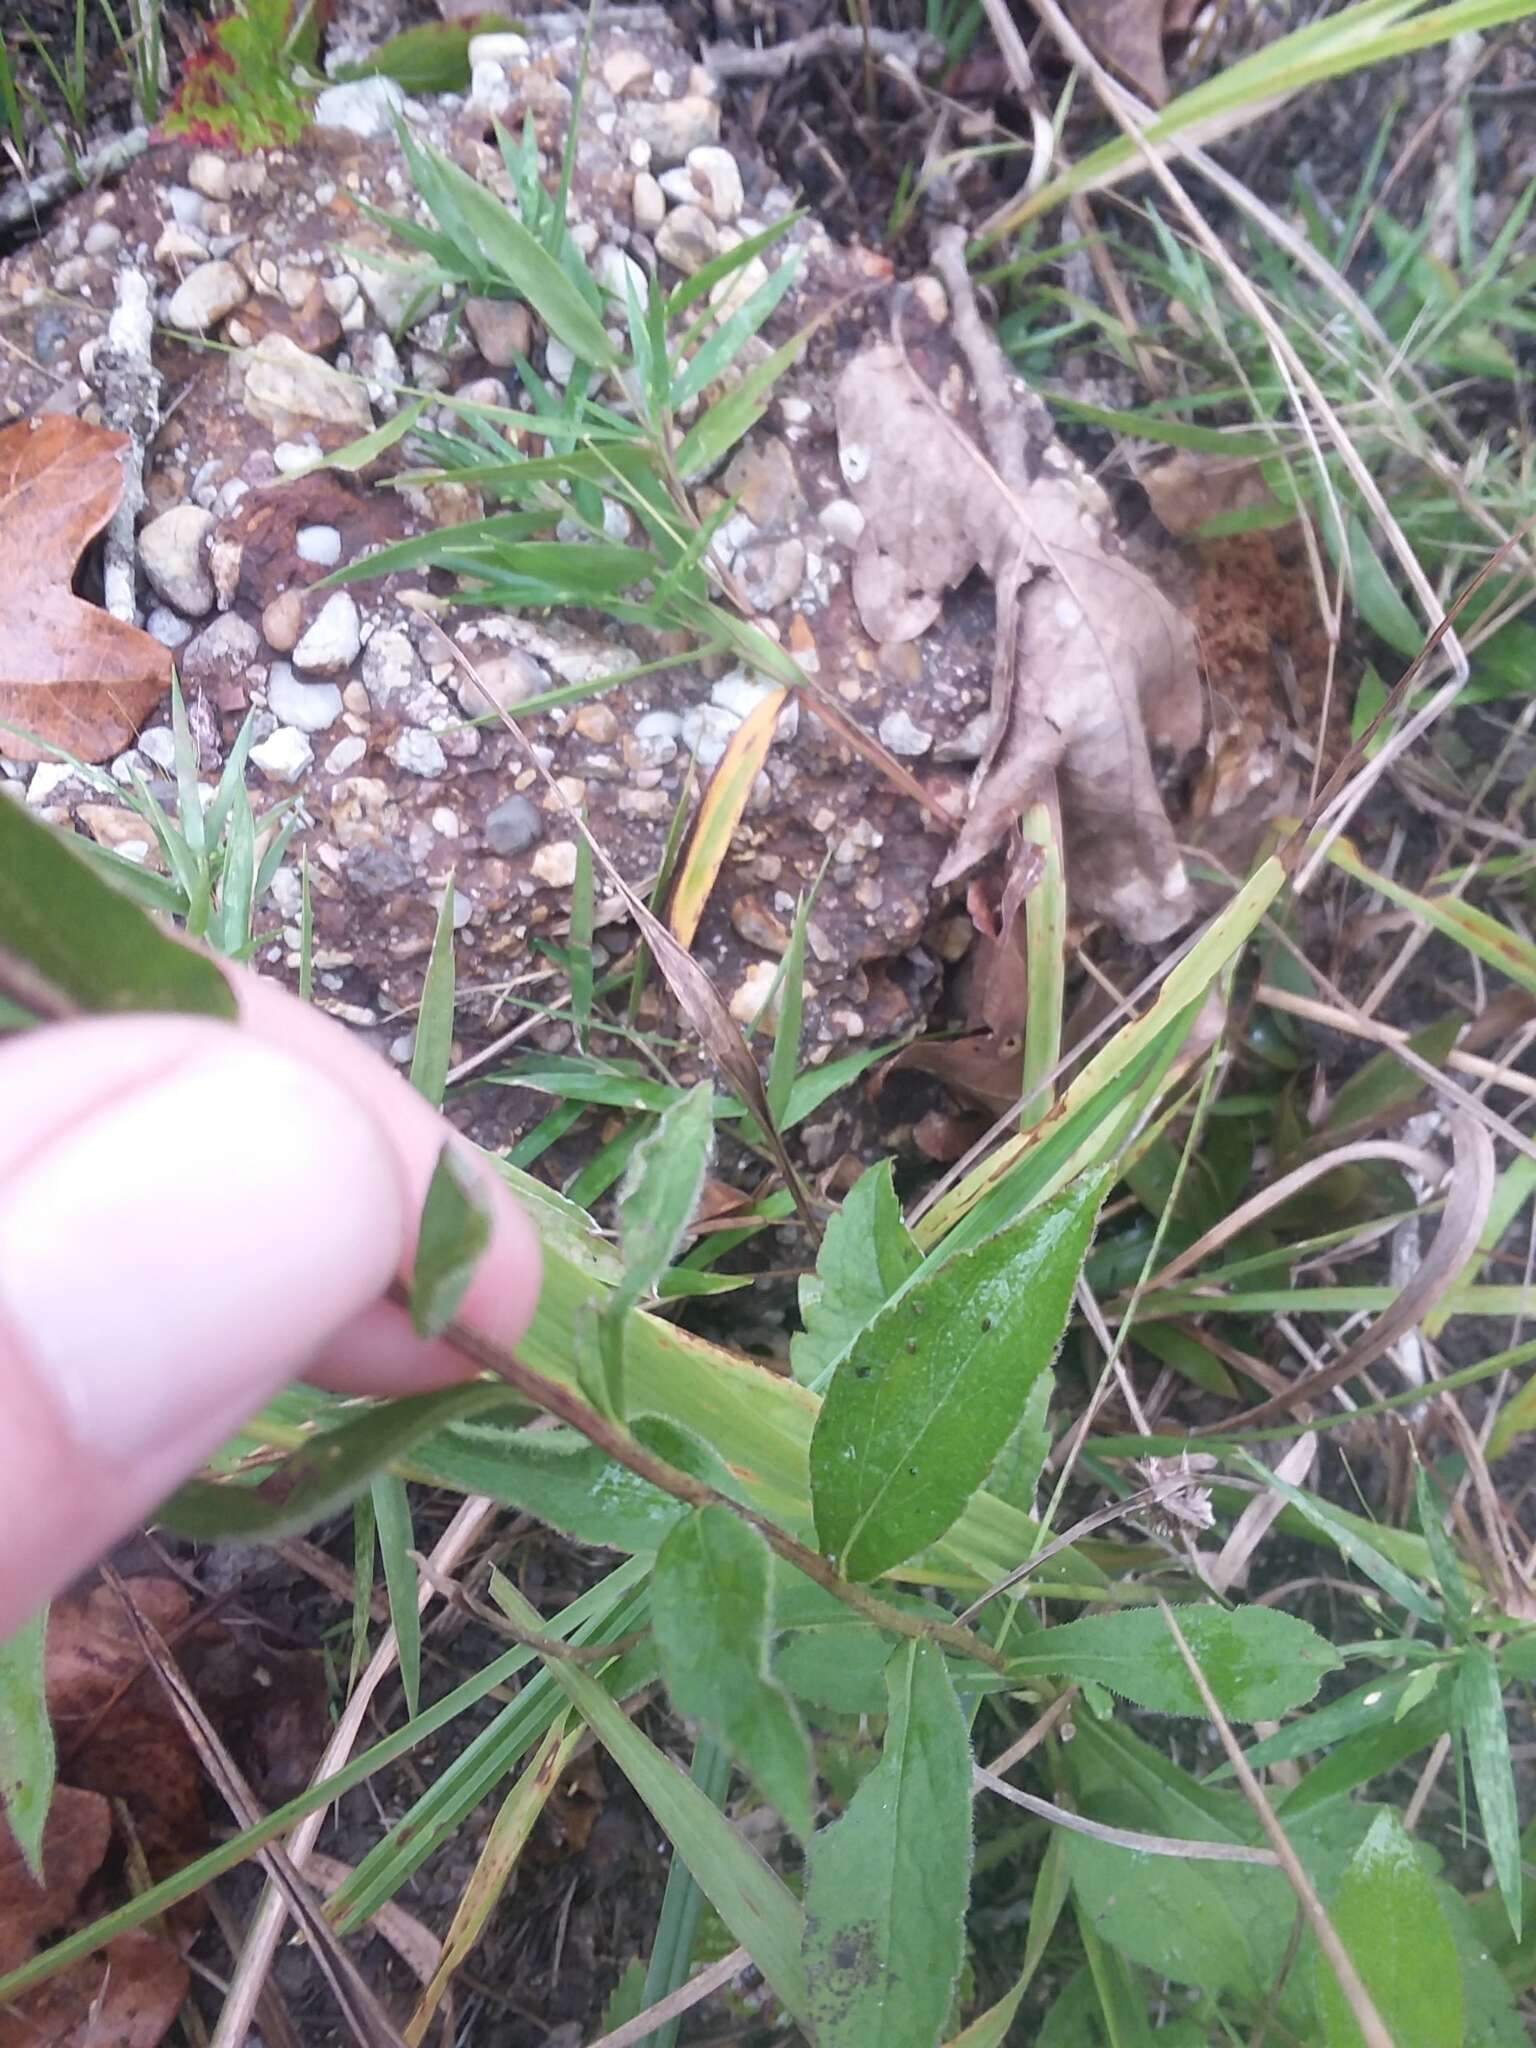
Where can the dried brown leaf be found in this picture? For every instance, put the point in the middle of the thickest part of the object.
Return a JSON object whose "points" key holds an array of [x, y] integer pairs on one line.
{"points": [[1090, 656], [69, 671], [128, 1997], [1127, 34]]}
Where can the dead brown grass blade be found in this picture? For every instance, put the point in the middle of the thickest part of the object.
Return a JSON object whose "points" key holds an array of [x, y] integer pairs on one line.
{"points": [[365, 2018], [1472, 1179], [677, 2002], [1366, 2017], [1175, 1846]]}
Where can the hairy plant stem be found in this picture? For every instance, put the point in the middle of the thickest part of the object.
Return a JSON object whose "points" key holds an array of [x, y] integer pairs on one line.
{"points": [[616, 1442]]}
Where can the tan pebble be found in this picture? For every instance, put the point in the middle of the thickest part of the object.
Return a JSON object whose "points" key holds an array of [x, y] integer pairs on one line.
{"points": [[555, 864], [648, 203], [754, 990], [282, 621], [597, 722], [355, 697], [757, 924]]}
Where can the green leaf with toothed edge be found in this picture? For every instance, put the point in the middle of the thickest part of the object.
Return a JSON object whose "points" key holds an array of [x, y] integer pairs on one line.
{"points": [[1258, 1662], [1386, 1913], [923, 1401], [886, 1889], [711, 1609]]}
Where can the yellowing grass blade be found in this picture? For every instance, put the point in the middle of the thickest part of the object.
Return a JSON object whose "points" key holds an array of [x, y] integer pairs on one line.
{"points": [[720, 814], [1491, 941], [498, 1864]]}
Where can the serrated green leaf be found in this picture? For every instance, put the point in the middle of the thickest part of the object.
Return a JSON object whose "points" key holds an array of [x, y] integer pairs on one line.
{"points": [[825, 1653], [392, 1521], [865, 1255], [926, 1397], [886, 1892], [69, 941], [1258, 1662], [26, 1739], [710, 1608], [1479, 1707], [1387, 1915], [455, 1230], [433, 1047]]}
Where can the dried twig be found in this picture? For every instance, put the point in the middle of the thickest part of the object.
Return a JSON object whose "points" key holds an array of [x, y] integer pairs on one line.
{"points": [[129, 384], [29, 202], [913, 50], [1125, 1838]]}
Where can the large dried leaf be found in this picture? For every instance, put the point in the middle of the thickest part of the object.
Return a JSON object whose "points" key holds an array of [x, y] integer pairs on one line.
{"points": [[1090, 656], [69, 671]]}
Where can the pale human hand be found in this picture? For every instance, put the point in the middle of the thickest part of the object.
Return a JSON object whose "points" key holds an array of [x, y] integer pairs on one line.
{"points": [[192, 1214]]}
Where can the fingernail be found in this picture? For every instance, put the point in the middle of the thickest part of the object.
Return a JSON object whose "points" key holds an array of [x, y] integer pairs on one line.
{"points": [[193, 1245]]}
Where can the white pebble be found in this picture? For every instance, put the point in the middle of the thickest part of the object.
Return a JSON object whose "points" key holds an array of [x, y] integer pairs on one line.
{"points": [[332, 642], [284, 754], [416, 752], [320, 544], [310, 707]]}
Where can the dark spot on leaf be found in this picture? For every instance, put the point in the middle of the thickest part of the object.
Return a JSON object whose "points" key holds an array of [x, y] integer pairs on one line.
{"points": [[862, 1372], [986, 1322], [912, 1344]]}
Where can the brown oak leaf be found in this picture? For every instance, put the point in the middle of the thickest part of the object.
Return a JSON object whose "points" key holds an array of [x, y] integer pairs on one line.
{"points": [[69, 672]]}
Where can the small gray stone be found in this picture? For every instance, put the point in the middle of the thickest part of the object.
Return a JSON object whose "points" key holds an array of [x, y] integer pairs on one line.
{"points": [[168, 627], [498, 46], [363, 106], [284, 754], [205, 295], [331, 644], [345, 755], [379, 870], [673, 127], [101, 238], [513, 826], [901, 736], [207, 174], [418, 753], [505, 679], [648, 203], [284, 387], [158, 744], [171, 550], [310, 707], [391, 291], [320, 544], [390, 665]]}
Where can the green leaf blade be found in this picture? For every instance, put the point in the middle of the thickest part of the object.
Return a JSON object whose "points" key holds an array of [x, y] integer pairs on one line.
{"points": [[1387, 1915], [455, 1230], [885, 1900], [922, 1402], [866, 1255], [1480, 1717], [1258, 1662], [710, 1608], [26, 1740]]}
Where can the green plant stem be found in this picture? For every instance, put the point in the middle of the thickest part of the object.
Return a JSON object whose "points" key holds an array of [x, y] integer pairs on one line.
{"points": [[617, 1443], [682, 1902]]}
